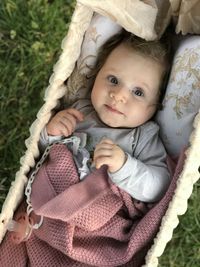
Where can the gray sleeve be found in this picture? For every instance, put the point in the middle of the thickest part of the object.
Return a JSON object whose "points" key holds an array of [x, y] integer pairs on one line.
{"points": [[145, 176]]}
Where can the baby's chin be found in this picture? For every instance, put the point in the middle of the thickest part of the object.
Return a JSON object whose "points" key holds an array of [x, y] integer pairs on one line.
{"points": [[113, 124], [117, 124]]}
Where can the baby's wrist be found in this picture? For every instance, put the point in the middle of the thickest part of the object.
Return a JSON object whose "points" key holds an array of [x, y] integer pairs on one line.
{"points": [[47, 138]]}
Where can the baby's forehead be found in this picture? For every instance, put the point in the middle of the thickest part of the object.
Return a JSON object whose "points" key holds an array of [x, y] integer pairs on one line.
{"points": [[124, 56], [123, 49], [124, 52]]}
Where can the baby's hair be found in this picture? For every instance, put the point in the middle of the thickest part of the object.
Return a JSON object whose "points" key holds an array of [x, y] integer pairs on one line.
{"points": [[158, 50]]}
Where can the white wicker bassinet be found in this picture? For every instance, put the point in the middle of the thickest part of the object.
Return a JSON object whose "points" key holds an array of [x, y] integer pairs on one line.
{"points": [[147, 19]]}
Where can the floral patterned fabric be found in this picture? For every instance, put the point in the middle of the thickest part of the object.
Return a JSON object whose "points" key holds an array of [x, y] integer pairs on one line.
{"points": [[100, 30], [181, 102]]}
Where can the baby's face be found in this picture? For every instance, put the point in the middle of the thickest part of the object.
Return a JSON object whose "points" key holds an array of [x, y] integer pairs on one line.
{"points": [[126, 88]]}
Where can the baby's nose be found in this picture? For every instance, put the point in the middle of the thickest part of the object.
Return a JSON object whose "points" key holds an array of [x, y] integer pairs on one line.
{"points": [[119, 94]]}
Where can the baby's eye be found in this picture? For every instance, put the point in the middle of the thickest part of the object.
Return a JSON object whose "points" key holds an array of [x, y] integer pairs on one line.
{"points": [[138, 91], [113, 80]]}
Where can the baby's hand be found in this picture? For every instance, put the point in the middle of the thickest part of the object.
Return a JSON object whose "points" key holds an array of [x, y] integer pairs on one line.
{"points": [[64, 122], [106, 152]]}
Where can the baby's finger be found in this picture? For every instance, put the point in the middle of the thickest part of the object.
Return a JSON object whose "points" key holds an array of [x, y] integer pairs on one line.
{"points": [[64, 129], [101, 146], [70, 120], [101, 152], [106, 140], [76, 113], [100, 161]]}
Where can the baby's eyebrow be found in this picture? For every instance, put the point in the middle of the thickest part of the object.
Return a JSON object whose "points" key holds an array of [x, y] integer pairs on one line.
{"points": [[112, 69], [146, 86]]}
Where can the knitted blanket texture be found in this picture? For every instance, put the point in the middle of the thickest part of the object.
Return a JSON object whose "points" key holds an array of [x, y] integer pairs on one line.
{"points": [[86, 223]]}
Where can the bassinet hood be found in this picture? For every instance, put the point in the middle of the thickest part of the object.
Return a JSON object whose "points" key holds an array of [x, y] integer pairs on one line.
{"points": [[149, 18]]}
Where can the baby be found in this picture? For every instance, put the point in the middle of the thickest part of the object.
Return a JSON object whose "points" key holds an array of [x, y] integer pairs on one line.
{"points": [[125, 94]]}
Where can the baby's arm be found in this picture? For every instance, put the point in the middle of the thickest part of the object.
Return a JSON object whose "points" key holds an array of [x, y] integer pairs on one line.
{"points": [[143, 182], [145, 177]]}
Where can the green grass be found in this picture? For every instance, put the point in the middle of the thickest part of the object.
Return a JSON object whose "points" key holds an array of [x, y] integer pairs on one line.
{"points": [[30, 38]]}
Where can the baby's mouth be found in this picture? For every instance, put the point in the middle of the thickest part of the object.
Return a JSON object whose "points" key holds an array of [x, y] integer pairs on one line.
{"points": [[113, 109]]}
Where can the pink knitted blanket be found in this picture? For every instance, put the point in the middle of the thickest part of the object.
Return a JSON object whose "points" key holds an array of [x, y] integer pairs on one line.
{"points": [[87, 223]]}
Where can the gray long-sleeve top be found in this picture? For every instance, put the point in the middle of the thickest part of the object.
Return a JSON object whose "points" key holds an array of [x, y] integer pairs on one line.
{"points": [[144, 175]]}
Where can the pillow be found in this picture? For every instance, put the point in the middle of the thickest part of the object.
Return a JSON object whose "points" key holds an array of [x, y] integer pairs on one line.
{"points": [[182, 98], [100, 30]]}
